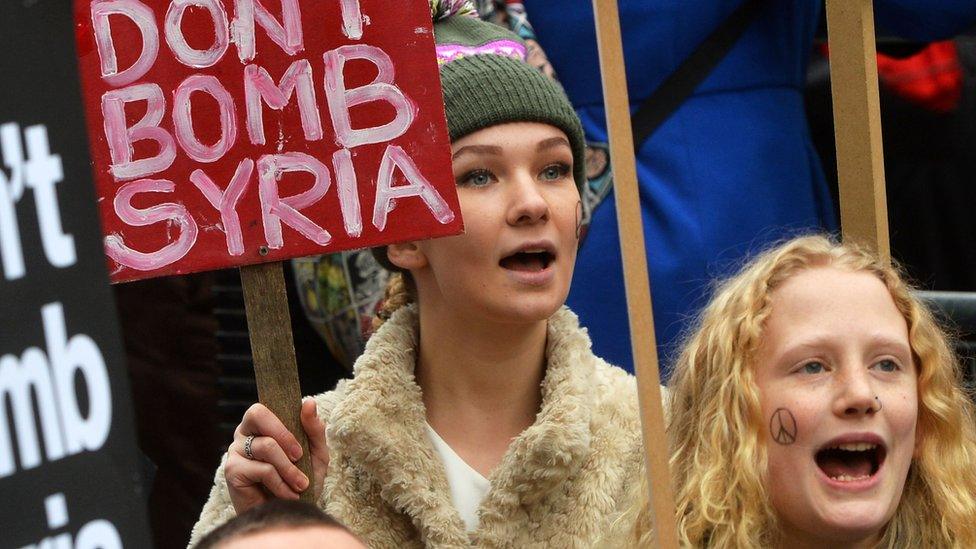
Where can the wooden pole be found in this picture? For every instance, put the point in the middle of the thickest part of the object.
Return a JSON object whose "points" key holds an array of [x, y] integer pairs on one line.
{"points": [[636, 279], [273, 350], [857, 123]]}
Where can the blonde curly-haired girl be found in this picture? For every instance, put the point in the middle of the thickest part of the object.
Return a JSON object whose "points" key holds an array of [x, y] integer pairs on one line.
{"points": [[818, 403]]}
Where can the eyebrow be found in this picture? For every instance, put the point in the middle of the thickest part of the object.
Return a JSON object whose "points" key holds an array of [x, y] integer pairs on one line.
{"points": [[476, 149], [543, 145], [892, 345], [876, 341], [552, 142]]}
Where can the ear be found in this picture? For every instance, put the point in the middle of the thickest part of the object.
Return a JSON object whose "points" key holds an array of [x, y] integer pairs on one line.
{"points": [[406, 255]]}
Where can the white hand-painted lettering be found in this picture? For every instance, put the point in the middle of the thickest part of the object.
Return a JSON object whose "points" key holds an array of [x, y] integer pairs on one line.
{"points": [[417, 185], [258, 85], [183, 118], [226, 202], [186, 54], [142, 16], [171, 212], [286, 34], [348, 185], [381, 88], [120, 138], [276, 209], [283, 27], [352, 19]]}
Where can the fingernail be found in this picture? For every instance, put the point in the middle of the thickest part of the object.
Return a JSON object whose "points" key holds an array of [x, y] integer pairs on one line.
{"points": [[302, 482], [296, 452]]}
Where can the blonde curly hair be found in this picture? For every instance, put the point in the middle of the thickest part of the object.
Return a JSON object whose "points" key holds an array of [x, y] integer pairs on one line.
{"points": [[718, 458]]}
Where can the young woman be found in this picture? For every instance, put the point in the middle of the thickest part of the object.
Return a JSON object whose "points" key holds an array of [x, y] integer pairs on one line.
{"points": [[819, 405], [477, 414]]}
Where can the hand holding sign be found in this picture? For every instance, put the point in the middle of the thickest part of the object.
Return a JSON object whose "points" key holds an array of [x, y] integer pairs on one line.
{"points": [[270, 470]]}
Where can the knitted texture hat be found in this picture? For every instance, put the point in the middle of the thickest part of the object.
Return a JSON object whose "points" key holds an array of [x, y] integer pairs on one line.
{"points": [[486, 81]]}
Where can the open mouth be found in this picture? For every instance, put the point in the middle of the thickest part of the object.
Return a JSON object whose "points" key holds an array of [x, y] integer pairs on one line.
{"points": [[852, 461], [528, 261]]}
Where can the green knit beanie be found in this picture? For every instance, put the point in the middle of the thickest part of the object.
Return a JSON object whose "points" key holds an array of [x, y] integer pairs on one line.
{"points": [[486, 82]]}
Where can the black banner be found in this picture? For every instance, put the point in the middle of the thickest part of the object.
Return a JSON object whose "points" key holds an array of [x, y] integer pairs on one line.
{"points": [[69, 474]]}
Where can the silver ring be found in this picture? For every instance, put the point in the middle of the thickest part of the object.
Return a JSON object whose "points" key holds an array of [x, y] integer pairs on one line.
{"points": [[247, 447]]}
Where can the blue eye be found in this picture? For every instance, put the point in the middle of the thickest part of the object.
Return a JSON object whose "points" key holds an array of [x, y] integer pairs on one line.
{"points": [[812, 368], [476, 178], [555, 172], [887, 365]]}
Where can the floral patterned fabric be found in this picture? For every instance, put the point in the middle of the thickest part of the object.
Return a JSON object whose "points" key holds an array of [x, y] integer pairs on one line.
{"points": [[442, 9]]}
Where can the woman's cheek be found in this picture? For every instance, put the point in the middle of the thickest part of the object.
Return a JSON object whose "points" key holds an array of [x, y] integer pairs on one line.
{"points": [[902, 409], [787, 436]]}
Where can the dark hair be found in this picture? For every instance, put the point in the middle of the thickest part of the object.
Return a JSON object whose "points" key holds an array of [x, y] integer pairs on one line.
{"points": [[277, 513]]}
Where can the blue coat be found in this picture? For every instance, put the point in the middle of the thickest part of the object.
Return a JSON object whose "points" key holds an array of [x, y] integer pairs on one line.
{"points": [[732, 170]]}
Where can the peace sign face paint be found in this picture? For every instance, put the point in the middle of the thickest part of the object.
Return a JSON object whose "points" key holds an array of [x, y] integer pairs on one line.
{"points": [[834, 347], [782, 427]]}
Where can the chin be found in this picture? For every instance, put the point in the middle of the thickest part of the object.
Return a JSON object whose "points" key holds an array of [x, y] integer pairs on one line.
{"points": [[526, 309], [532, 313], [855, 522]]}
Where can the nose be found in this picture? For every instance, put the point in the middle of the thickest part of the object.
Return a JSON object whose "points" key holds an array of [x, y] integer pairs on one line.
{"points": [[528, 205], [855, 394]]}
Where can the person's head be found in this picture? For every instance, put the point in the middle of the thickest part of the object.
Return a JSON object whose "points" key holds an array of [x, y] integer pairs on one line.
{"points": [[281, 524], [517, 149], [817, 400]]}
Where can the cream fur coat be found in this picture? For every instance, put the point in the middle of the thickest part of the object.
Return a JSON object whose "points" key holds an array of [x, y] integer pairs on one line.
{"points": [[564, 482]]}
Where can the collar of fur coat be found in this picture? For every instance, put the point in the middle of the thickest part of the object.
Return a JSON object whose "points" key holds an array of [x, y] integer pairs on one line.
{"points": [[378, 422]]}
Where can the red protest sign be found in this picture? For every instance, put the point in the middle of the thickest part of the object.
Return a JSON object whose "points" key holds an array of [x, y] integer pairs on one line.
{"points": [[231, 132]]}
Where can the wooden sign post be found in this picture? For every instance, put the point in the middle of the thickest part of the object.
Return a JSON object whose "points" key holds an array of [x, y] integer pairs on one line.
{"points": [[273, 352], [857, 123], [229, 134], [636, 280]]}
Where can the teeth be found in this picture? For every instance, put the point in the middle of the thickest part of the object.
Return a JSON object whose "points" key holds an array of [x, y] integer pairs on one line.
{"points": [[856, 446], [848, 478]]}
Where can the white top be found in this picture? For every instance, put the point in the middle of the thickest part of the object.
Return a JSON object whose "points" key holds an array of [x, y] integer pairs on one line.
{"points": [[468, 487]]}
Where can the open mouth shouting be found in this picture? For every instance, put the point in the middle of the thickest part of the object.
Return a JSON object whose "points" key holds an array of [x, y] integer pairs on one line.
{"points": [[852, 461], [531, 262]]}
